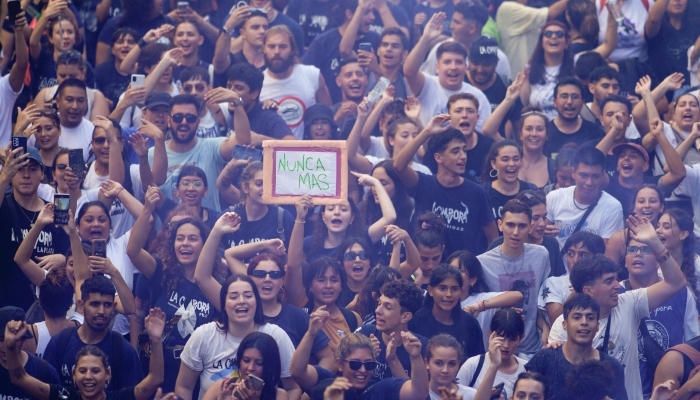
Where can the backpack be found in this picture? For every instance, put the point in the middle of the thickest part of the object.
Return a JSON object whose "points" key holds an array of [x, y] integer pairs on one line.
{"points": [[115, 359]]}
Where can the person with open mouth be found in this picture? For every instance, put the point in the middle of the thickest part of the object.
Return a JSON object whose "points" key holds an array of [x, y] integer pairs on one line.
{"points": [[189, 38], [442, 312], [500, 175], [240, 312], [429, 240], [356, 256], [675, 230]]}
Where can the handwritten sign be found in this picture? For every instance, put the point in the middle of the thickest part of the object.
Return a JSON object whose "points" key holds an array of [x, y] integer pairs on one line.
{"points": [[293, 168]]}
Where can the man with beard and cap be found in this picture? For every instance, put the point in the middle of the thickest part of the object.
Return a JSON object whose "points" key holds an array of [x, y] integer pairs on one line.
{"points": [[185, 148], [568, 126], [295, 87], [352, 81], [97, 297]]}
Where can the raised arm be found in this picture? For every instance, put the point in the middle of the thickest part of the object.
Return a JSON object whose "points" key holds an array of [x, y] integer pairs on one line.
{"points": [[642, 112], [376, 230], [357, 161], [610, 42], [373, 120], [690, 142], [221, 60], [656, 15], [674, 281], [124, 303], [23, 257], [159, 167], [154, 325], [349, 38], [228, 223], [557, 9], [494, 354], [19, 70], [132, 97], [616, 129], [240, 119], [493, 122], [14, 331], [13, 163], [113, 190], [503, 300], [675, 170], [129, 62], [411, 67], [403, 159], [417, 387], [397, 237], [293, 281], [53, 9], [143, 260], [235, 254], [225, 180], [170, 59], [300, 368]]}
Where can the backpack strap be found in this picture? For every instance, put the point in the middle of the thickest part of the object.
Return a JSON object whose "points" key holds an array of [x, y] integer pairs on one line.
{"points": [[280, 223], [688, 350], [116, 358], [349, 318], [479, 366]]}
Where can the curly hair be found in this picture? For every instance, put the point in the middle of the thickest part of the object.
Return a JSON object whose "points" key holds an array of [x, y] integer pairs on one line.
{"points": [[409, 295], [321, 230], [172, 269], [366, 302], [157, 247]]}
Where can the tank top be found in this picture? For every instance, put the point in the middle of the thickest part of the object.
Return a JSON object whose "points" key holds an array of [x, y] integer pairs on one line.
{"points": [[50, 94], [294, 95], [42, 339]]}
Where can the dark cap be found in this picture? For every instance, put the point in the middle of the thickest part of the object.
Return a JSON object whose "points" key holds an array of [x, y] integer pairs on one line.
{"points": [[35, 155], [318, 111], [11, 313], [618, 149], [158, 99], [484, 49]]}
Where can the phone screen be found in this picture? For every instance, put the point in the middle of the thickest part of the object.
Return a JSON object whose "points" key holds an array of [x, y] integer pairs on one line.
{"points": [[244, 153], [61, 205]]}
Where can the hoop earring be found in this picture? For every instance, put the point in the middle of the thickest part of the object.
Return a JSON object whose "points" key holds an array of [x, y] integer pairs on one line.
{"points": [[491, 173]]}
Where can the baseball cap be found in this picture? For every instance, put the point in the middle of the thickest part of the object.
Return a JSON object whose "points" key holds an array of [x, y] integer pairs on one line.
{"points": [[35, 155], [318, 111], [158, 99], [11, 313], [618, 149], [484, 49]]}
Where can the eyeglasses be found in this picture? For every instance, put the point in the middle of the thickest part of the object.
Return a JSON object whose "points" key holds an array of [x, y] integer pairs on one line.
{"points": [[558, 34], [351, 255], [186, 184], [61, 166], [99, 140], [200, 87], [190, 118], [260, 274], [646, 250], [355, 365]]}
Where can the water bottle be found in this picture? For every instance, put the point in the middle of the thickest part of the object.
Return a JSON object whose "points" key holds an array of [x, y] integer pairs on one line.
{"points": [[615, 8]]}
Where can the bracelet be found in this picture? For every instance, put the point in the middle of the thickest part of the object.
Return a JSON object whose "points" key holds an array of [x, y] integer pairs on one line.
{"points": [[142, 43], [118, 191], [664, 257], [299, 222]]}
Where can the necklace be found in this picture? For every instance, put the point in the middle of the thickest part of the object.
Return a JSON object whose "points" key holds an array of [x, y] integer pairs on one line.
{"points": [[575, 204], [503, 264], [31, 220]]}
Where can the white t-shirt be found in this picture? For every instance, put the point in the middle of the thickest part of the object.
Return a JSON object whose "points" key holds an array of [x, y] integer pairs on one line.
{"points": [[79, 137], [7, 99], [660, 159], [116, 252], [213, 353], [433, 99], [294, 95], [466, 373], [467, 393], [555, 289], [605, 219], [377, 148], [630, 32], [428, 67], [693, 69], [208, 128], [542, 95], [632, 306], [690, 186], [484, 317]]}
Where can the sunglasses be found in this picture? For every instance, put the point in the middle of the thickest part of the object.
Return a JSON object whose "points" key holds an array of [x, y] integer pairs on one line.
{"points": [[200, 87], [61, 166], [355, 365], [260, 274], [186, 184], [99, 141], [558, 34], [351, 255], [190, 118], [646, 250]]}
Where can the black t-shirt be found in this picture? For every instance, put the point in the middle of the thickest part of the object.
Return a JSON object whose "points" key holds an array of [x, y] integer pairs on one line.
{"points": [[496, 93], [397, 12], [626, 196], [465, 208], [668, 50], [141, 28], [266, 122], [315, 17], [15, 288], [553, 364], [383, 371], [263, 229], [324, 54], [295, 322], [476, 158], [556, 262], [36, 368], [465, 329], [58, 392], [498, 199], [110, 82], [556, 139], [43, 72]]}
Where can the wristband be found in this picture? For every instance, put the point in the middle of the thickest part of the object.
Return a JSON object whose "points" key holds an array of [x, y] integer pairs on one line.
{"points": [[299, 222], [118, 191], [142, 43], [661, 259]]}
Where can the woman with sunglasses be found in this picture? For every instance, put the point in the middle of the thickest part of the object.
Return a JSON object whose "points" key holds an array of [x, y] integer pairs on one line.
{"points": [[551, 62], [259, 221], [170, 272], [355, 363], [357, 258]]}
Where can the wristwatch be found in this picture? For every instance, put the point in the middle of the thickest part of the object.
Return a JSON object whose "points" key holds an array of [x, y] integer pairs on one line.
{"points": [[238, 103], [226, 31]]}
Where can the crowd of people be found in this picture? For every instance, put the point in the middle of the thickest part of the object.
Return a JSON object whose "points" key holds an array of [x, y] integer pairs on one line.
{"points": [[521, 219]]}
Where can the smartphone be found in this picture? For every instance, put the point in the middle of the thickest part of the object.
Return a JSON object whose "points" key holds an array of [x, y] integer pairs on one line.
{"points": [[182, 5], [137, 80], [61, 204], [257, 382], [366, 47], [498, 389], [19, 141], [76, 162], [244, 153], [376, 93], [99, 248], [14, 7]]}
